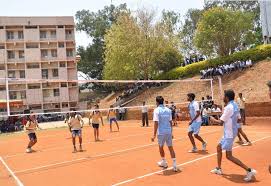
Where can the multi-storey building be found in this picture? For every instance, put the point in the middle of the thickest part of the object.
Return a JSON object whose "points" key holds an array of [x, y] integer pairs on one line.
{"points": [[38, 48]]}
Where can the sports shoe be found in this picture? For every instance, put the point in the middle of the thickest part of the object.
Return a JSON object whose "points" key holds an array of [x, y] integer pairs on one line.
{"points": [[175, 168], [28, 150], [162, 164], [193, 150], [204, 145], [217, 171], [250, 175], [247, 144], [240, 142]]}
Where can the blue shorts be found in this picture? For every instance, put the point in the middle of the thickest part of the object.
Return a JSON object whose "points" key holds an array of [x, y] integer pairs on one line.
{"points": [[111, 120], [194, 127], [226, 143], [239, 125], [32, 136], [76, 133], [165, 138]]}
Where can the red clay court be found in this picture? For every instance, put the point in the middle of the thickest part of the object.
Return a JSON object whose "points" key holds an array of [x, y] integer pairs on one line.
{"points": [[129, 158]]}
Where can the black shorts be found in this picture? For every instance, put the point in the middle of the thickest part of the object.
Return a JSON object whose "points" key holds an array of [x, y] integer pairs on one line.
{"points": [[95, 125], [173, 115], [32, 136]]}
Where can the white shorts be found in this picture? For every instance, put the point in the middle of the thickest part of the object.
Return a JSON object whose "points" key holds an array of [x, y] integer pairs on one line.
{"points": [[194, 127]]}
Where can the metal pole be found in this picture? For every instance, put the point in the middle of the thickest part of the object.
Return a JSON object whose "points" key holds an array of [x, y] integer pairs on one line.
{"points": [[212, 90], [221, 91], [7, 95], [6, 81]]}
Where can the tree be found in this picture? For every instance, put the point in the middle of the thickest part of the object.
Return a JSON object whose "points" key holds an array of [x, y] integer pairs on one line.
{"points": [[189, 28], [220, 30], [135, 47], [255, 36], [96, 24]]}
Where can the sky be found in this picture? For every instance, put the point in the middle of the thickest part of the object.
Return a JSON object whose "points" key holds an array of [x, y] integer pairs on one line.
{"points": [[69, 8]]}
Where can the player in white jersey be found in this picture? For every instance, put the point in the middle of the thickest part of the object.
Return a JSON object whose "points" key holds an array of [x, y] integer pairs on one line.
{"points": [[230, 119]]}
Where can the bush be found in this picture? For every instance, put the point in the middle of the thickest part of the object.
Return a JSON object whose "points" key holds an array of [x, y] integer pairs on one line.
{"points": [[259, 53]]}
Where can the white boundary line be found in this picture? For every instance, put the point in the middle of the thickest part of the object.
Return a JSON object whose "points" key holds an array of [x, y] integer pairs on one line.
{"points": [[100, 155], [185, 163], [18, 182]]}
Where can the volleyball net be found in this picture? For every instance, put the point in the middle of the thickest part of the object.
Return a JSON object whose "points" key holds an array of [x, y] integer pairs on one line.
{"points": [[55, 97]]}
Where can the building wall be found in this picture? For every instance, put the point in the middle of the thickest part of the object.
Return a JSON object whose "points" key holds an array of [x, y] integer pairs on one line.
{"points": [[29, 48]]}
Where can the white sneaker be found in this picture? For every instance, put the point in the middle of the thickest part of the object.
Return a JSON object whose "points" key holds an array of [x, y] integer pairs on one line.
{"points": [[28, 150], [204, 145], [175, 168], [217, 171], [162, 164], [250, 175], [193, 150], [247, 144]]}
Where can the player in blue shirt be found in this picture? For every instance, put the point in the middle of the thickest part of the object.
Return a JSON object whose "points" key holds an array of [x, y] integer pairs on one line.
{"points": [[195, 123], [162, 118]]}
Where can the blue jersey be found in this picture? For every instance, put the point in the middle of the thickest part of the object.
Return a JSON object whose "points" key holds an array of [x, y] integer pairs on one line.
{"points": [[163, 116]]}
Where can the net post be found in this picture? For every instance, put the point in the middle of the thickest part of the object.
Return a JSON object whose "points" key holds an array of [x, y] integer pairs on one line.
{"points": [[221, 91], [7, 96], [212, 90]]}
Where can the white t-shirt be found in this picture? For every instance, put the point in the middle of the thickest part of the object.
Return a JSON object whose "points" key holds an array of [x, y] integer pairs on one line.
{"points": [[229, 126], [193, 109], [241, 102], [144, 109], [205, 112], [216, 110]]}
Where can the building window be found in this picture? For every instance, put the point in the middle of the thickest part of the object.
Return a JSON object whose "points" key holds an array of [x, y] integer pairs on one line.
{"points": [[61, 45], [23, 94], [60, 26], [2, 46], [20, 35], [2, 88], [55, 72], [65, 105], [33, 65], [12, 95], [53, 34], [44, 73], [22, 74], [46, 93], [11, 74], [43, 34], [32, 45], [10, 35], [21, 54], [62, 64], [69, 53], [44, 53], [54, 53], [63, 84], [11, 54], [56, 92], [2, 67], [34, 86]]}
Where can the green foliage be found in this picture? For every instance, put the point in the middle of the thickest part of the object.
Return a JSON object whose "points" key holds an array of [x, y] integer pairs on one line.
{"points": [[220, 31], [140, 48], [256, 54], [96, 24]]}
